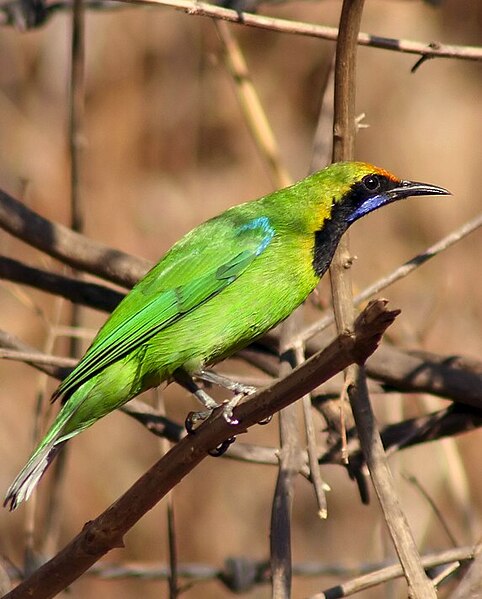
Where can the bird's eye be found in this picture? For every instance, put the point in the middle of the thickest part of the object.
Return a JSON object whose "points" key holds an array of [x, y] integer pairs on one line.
{"points": [[371, 182]]}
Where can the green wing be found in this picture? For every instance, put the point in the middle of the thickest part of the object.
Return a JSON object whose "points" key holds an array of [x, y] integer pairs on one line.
{"points": [[197, 268]]}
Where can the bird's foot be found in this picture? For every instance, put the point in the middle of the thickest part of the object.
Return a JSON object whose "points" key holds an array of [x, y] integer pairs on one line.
{"points": [[221, 448], [242, 389], [228, 407], [193, 419], [214, 378]]}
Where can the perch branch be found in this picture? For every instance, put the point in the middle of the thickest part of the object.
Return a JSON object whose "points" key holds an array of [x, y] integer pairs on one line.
{"points": [[11, 14], [107, 530], [456, 419]]}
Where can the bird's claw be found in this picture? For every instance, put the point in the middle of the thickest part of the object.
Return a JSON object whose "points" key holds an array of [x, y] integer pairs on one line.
{"points": [[194, 418], [266, 420], [221, 448], [241, 389], [228, 406]]}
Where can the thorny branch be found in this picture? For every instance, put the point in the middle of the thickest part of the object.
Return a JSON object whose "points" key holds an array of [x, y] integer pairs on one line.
{"points": [[344, 128], [455, 419], [242, 574], [24, 15]]}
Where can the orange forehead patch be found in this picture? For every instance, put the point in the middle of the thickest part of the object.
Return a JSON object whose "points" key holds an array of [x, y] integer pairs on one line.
{"points": [[386, 174]]}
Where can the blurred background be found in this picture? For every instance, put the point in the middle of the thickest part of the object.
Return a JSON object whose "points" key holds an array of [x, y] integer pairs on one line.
{"points": [[165, 147]]}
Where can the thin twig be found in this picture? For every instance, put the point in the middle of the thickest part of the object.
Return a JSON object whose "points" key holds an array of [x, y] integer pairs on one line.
{"points": [[290, 462], [344, 149], [344, 125], [367, 573], [323, 139], [37, 358], [433, 505], [419, 585], [389, 573], [315, 476], [432, 49], [426, 50], [251, 106]]}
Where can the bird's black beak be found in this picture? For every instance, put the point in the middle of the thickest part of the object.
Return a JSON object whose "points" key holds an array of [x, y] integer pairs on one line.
{"points": [[397, 190], [413, 188]]}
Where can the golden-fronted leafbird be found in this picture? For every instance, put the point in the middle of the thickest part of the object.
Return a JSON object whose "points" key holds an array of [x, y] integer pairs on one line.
{"points": [[218, 288]]}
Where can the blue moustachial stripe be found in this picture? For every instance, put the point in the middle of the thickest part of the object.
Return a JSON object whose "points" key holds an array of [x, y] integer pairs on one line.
{"points": [[369, 205]]}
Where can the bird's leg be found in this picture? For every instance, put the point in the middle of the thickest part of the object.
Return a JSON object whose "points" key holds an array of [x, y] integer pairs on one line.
{"points": [[239, 389], [182, 378]]}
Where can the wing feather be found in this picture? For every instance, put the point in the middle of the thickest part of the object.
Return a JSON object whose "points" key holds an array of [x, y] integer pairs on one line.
{"points": [[206, 273]]}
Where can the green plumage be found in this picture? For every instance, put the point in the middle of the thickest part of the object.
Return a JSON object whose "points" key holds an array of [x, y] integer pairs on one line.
{"points": [[222, 285]]}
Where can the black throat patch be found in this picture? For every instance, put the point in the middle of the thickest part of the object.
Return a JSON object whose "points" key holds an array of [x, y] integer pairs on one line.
{"points": [[328, 237]]}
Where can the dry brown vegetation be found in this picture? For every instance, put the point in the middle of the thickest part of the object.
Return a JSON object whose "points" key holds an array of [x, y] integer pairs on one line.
{"points": [[165, 146]]}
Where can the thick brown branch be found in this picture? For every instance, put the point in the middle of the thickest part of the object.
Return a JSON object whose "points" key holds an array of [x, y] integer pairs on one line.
{"points": [[457, 378], [449, 422], [79, 292], [67, 246], [455, 420], [107, 531]]}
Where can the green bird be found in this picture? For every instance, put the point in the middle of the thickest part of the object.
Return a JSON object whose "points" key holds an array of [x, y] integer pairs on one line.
{"points": [[221, 286]]}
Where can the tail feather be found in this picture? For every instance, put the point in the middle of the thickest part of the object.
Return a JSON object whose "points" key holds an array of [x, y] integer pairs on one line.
{"points": [[26, 481]]}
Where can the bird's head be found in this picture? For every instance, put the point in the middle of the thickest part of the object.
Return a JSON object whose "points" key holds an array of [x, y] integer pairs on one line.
{"points": [[364, 188], [349, 191]]}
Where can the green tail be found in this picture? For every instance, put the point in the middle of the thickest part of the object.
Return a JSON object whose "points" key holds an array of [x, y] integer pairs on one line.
{"points": [[93, 400]]}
